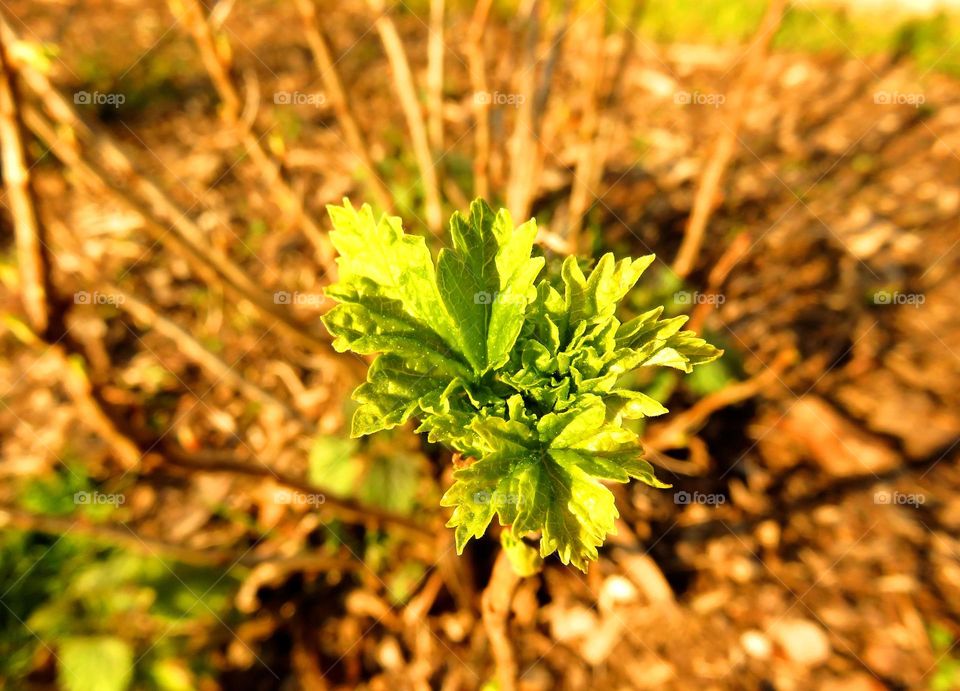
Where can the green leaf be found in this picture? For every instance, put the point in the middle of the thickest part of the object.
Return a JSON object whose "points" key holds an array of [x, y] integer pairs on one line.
{"points": [[598, 296], [683, 351], [95, 664], [525, 560], [331, 465], [548, 480], [693, 350], [393, 392], [374, 324], [526, 381], [391, 482], [172, 675], [437, 324], [379, 259], [633, 405], [486, 281]]}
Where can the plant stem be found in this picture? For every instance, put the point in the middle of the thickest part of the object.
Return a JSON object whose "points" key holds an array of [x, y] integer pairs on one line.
{"points": [[435, 78], [16, 179], [478, 82], [722, 152], [413, 113], [495, 609], [217, 62], [340, 101]]}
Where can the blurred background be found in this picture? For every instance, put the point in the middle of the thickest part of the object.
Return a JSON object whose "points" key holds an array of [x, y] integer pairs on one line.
{"points": [[181, 505]]}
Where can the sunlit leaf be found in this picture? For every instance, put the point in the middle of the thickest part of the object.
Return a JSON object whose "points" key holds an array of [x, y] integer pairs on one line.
{"points": [[100, 663], [524, 380]]}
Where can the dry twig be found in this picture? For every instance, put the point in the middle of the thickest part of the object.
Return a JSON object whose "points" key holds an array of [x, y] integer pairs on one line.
{"points": [[480, 98], [340, 101], [495, 609], [598, 127], [164, 220], [133, 452], [218, 68], [435, 77], [344, 509], [219, 370], [524, 143], [675, 433], [736, 106], [123, 536], [407, 93], [16, 180], [527, 142], [718, 276]]}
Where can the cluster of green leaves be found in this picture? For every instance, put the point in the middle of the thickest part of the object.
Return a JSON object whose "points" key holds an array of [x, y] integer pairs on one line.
{"points": [[946, 674], [519, 376], [386, 471], [114, 620]]}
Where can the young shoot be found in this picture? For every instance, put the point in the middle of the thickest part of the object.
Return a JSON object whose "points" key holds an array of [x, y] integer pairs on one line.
{"points": [[521, 377]]}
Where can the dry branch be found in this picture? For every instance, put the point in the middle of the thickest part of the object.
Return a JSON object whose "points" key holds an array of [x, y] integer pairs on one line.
{"points": [[129, 449], [166, 222], [718, 276], [598, 128], [407, 93], [340, 102], [123, 536], [216, 65], [479, 98], [583, 176], [736, 106], [345, 509], [435, 77], [78, 386], [192, 348], [16, 180], [219, 370], [675, 433], [524, 144], [527, 141], [495, 609]]}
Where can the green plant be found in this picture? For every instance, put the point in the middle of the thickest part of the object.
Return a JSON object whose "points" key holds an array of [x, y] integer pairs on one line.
{"points": [[520, 378], [112, 619], [946, 673]]}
